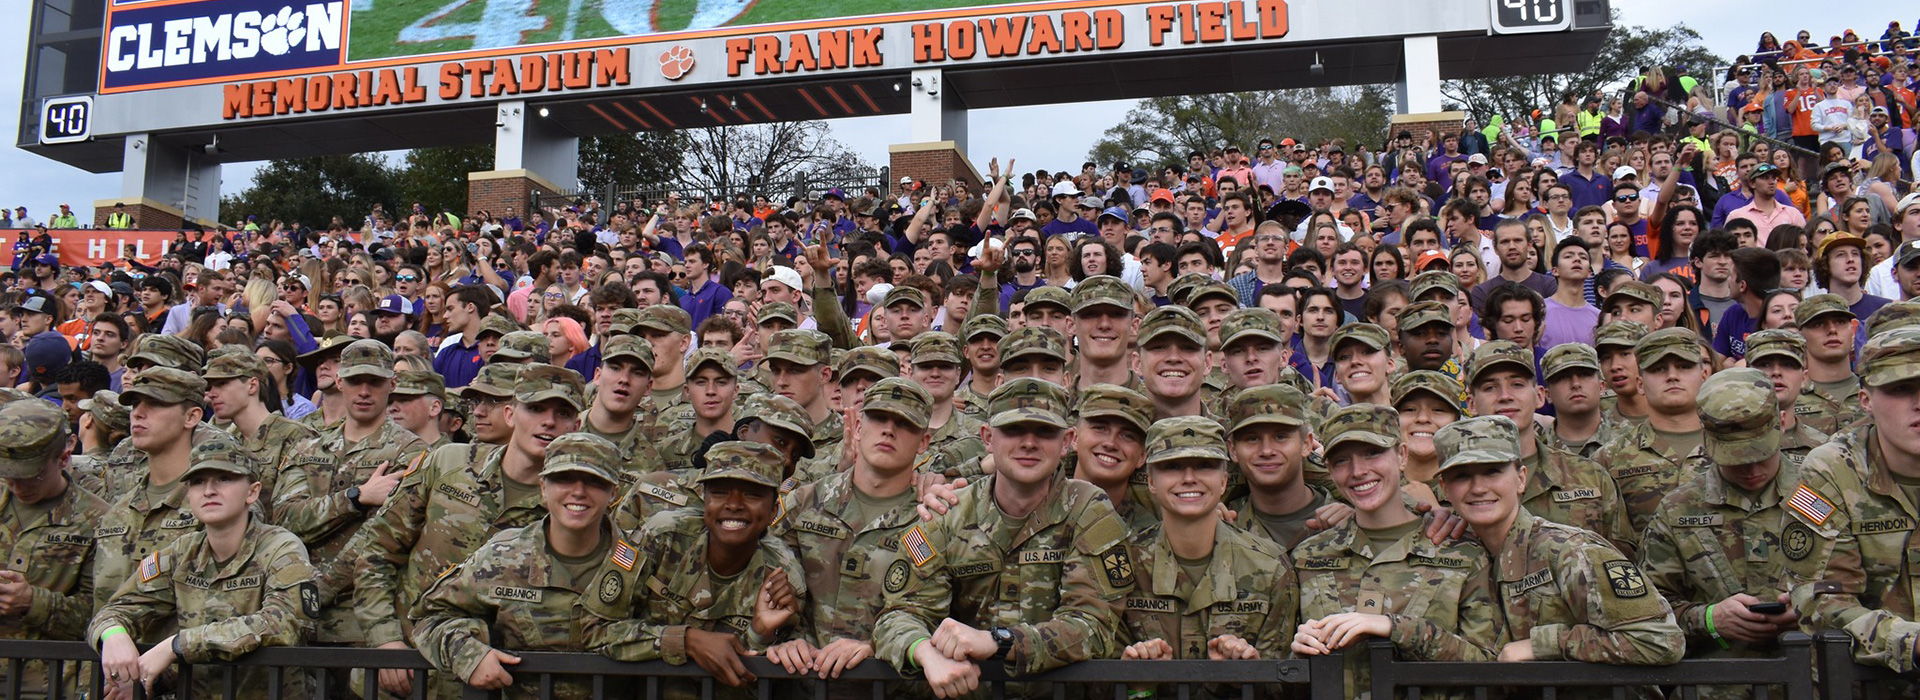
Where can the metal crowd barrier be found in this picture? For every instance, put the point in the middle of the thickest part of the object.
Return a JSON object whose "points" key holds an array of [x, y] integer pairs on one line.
{"points": [[1792, 669]]}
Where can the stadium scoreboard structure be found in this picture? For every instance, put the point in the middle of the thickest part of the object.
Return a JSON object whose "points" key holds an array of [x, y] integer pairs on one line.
{"points": [[166, 90]]}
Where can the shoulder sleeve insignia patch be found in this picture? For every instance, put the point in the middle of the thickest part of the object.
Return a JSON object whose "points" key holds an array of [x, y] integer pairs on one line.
{"points": [[1810, 505], [917, 546]]}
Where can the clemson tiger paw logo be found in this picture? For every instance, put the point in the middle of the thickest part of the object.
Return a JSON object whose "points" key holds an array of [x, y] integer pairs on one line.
{"points": [[282, 31], [675, 62]]}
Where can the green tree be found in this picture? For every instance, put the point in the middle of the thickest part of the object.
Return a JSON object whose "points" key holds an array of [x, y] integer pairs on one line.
{"points": [[626, 160], [1163, 130], [1627, 51], [312, 191], [437, 177]]}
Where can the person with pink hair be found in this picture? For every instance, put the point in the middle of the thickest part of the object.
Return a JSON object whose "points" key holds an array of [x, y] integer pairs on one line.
{"points": [[565, 338]]}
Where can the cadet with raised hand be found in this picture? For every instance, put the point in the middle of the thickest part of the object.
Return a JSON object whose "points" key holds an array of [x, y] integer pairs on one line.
{"points": [[519, 590], [214, 594], [1651, 459], [47, 523], [1566, 593]]}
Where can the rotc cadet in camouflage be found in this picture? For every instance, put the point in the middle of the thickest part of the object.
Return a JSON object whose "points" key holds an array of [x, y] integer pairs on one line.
{"points": [[708, 584], [1444, 287], [235, 381], [1831, 400], [1427, 400], [1362, 364], [1034, 351], [1103, 324], [350, 470], [1562, 487], [768, 419], [1205, 589], [980, 339], [47, 524], [1212, 302], [1425, 331], [1573, 389], [149, 509], [1724, 541], [103, 425], [846, 530], [1781, 354], [797, 365], [519, 590], [157, 350], [1173, 359], [215, 594], [452, 501], [492, 329], [1109, 449], [1858, 494], [419, 397], [1029, 566], [1651, 459], [1250, 353], [324, 363], [1376, 574], [667, 330], [934, 364], [713, 386], [490, 391], [1625, 404], [522, 347], [1563, 592], [857, 370], [621, 386], [1270, 437]]}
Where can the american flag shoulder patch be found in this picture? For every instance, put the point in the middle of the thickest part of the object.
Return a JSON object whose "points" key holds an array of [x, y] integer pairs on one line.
{"points": [[150, 567], [1810, 505], [415, 466], [917, 546], [623, 555]]}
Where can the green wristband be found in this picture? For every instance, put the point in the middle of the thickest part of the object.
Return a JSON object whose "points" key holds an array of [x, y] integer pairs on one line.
{"points": [[1716, 633], [911, 648], [111, 632]]}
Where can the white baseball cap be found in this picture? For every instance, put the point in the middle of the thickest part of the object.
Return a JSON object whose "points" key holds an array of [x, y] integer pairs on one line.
{"points": [[101, 287], [1019, 214], [878, 293], [1625, 171], [1908, 202], [785, 275], [980, 247], [1321, 183], [1065, 188]]}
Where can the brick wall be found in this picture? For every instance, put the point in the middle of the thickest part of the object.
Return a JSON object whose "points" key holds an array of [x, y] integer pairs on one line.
{"points": [[1430, 124], [497, 194], [144, 216], [932, 162]]}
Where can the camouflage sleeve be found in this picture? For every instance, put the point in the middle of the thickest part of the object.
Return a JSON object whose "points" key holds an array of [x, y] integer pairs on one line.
{"points": [[383, 545], [1659, 559], [287, 609], [1478, 630], [63, 615], [1094, 582], [912, 613], [618, 626], [1620, 530], [1627, 622], [782, 558], [830, 319], [452, 630], [1274, 639], [303, 501], [137, 604], [1881, 638], [986, 299]]}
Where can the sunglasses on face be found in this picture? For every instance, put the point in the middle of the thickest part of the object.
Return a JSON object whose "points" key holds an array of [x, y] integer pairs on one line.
{"points": [[406, 278], [1627, 198]]}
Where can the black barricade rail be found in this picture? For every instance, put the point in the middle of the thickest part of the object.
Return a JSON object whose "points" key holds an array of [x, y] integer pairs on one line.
{"points": [[1793, 669]]}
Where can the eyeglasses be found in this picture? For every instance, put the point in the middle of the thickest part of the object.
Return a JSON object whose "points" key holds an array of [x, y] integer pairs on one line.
{"points": [[1557, 197], [1627, 198]]}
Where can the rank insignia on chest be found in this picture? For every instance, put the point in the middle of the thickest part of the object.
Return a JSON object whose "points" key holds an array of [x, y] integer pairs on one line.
{"points": [[1625, 579], [623, 555]]}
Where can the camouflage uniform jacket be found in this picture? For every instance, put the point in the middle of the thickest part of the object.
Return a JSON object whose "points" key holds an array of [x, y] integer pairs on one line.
{"points": [[655, 493], [512, 595], [669, 590], [1056, 578], [322, 515], [1646, 469], [1829, 411], [1577, 598], [89, 471], [263, 596], [970, 402], [274, 447], [828, 432], [1863, 526], [951, 446], [446, 507], [636, 445], [1572, 490], [54, 553], [317, 420], [137, 525], [1247, 519], [1585, 449], [676, 449], [1797, 442], [1249, 591], [847, 563], [1709, 541]]}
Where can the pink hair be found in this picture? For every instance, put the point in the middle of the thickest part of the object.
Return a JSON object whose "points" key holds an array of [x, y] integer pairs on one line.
{"points": [[576, 336]]}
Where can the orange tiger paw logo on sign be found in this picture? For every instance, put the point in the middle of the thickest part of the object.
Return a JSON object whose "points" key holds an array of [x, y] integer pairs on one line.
{"points": [[675, 62]]}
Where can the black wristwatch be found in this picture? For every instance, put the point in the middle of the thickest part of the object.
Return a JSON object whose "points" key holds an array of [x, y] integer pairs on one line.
{"points": [[353, 496], [1002, 642]]}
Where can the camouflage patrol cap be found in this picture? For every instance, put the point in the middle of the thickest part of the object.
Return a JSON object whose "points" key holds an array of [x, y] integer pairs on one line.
{"points": [[1777, 342], [1497, 353], [1049, 295], [1271, 404], [416, 382], [543, 382], [106, 410], [582, 452], [1364, 423], [1028, 400], [31, 433], [1429, 281], [628, 347], [1619, 334], [457, 407], [165, 385], [1669, 342], [1174, 319], [1569, 356], [1820, 305], [495, 324], [1739, 417], [496, 380], [1477, 440], [983, 324], [625, 322], [872, 359], [803, 346], [904, 294], [370, 358], [783, 413], [10, 394], [1212, 290], [708, 357], [1102, 290], [1422, 313], [1249, 324], [1115, 401], [934, 346], [778, 310], [1635, 290], [1186, 437], [1432, 383], [234, 365], [751, 462], [1892, 356], [1899, 314], [165, 350], [1184, 285], [522, 346], [833, 360], [1368, 334], [1033, 340], [665, 318], [216, 451], [902, 398]]}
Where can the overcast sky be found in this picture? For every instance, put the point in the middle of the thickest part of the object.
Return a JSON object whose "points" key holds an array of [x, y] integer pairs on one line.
{"points": [[1730, 28]]}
